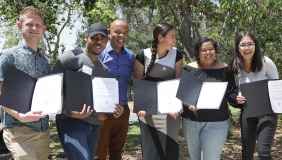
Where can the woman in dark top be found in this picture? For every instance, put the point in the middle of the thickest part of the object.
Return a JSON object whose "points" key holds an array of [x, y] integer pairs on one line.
{"points": [[205, 130], [159, 133]]}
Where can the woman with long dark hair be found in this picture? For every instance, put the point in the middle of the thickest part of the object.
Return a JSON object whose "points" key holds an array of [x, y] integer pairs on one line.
{"points": [[250, 65], [159, 133]]}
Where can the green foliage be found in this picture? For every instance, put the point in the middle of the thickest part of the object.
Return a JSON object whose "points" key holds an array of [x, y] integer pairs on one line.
{"points": [[222, 21], [57, 15], [103, 12]]}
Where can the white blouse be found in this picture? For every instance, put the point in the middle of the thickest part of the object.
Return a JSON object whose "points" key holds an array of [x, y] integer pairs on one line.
{"points": [[268, 71]]}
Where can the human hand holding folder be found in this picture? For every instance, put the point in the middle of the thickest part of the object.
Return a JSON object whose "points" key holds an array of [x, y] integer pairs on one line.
{"points": [[83, 114], [141, 113], [118, 111], [174, 114], [30, 116], [240, 99]]}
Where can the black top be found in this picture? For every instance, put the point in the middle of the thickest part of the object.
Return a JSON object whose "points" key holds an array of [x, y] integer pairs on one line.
{"points": [[213, 75]]}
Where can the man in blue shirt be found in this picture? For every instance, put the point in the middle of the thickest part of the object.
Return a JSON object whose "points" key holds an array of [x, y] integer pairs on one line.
{"points": [[120, 61], [26, 134]]}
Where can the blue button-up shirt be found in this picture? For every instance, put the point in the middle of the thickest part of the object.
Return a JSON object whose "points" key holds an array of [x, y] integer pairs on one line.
{"points": [[34, 64], [120, 67]]}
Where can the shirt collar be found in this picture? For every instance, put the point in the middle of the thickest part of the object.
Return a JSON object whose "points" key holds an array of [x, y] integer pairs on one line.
{"points": [[109, 49], [26, 47]]}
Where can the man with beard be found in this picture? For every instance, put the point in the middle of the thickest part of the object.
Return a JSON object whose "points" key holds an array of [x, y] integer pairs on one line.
{"points": [[120, 61], [79, 131]]}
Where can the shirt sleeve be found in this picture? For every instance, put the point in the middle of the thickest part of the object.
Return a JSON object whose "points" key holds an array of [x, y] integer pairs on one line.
{"points": [[5, 61], [63, 63], [178, 55], [140, 57], [232, 89], [271, 70]]}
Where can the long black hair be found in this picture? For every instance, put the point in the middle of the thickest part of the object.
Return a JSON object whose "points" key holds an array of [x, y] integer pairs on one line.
{"points": [[237, 60], [160, 29]]}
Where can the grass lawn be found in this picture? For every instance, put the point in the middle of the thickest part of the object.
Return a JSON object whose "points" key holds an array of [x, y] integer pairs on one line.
{"points": [[235, 112]]}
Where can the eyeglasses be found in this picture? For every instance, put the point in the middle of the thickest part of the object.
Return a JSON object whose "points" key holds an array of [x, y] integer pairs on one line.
{"points": [[207, 50], [96, 38], [249, 45]]}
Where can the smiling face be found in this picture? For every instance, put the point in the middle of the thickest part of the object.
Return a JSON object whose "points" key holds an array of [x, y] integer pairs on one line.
{"points": [[207, 53], [32, 28], [118, 34], [96, 44], [247, 48], [168, 41]]}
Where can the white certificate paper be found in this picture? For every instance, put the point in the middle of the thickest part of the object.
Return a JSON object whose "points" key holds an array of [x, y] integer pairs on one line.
{"points": [[105, 94], [275, 95], [167, 101], [211, 95], [47, 95]]}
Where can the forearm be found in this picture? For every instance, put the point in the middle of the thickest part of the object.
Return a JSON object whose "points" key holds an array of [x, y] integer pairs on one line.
{"points": [[11, 112]]}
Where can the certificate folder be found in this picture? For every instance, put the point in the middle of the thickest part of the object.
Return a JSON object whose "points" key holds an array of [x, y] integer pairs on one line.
{"points": [[101, 94], [156, 97], [78, 91], [257, 99], [22, 92], [203, 95]]}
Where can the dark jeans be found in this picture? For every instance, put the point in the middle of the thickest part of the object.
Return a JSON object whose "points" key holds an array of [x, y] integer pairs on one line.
{"points": [[261, 129], [79, 139]]}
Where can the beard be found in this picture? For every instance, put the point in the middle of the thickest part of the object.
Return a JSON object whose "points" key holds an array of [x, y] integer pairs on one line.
{"points": [[91, 49]]}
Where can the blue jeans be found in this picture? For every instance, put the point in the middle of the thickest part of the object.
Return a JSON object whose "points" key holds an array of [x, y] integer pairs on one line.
{"points": [[205, 140], [79, 139]]}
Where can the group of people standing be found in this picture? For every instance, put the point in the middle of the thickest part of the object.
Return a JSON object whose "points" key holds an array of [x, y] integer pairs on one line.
{"points": [[88, 135], [84, 135], [205, 130]]}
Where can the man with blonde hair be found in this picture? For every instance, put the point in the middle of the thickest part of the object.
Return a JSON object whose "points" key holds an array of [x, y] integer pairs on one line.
{"points": [[26, 134]]}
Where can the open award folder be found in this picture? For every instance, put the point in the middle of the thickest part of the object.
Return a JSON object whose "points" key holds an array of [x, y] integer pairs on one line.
{"points": [[262, 97], [81, 88], [203, 95], [156, 97], [24, 93]]}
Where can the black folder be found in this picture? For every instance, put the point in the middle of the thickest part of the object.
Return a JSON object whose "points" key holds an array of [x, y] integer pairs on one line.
{"points": [[153, 97], [17, 90], [257, 99], [190, 91], [145, 96], [189, 88], [78, 90]]}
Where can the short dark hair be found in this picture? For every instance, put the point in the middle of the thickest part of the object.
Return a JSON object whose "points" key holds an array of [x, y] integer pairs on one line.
{"points": [[198, 43], [237, 59]]}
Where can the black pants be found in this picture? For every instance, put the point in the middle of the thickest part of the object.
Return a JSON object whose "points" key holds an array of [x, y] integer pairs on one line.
{"points": [[261, 129]]}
